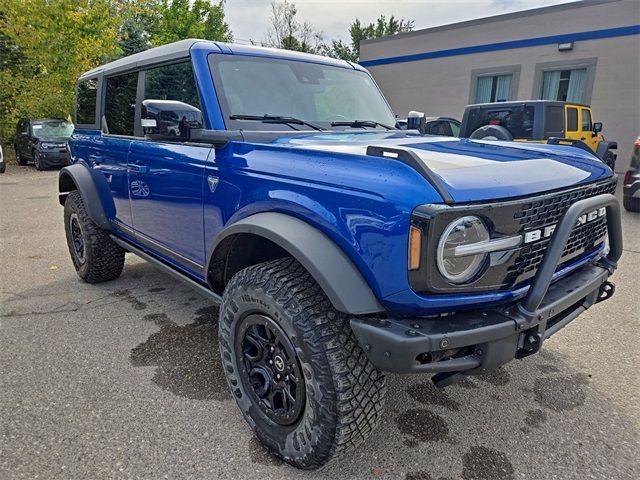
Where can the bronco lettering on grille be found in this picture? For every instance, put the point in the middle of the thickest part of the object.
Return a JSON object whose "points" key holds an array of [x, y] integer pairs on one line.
{"points": [[546, 232]]}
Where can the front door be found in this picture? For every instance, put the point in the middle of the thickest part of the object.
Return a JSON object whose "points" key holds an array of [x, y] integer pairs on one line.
{"points": [[166, 171], [586, 129], [166, 183]]}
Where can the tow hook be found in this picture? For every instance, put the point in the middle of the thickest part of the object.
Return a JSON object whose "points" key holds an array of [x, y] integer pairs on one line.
{"points": [[530, 343], [607, 289]]}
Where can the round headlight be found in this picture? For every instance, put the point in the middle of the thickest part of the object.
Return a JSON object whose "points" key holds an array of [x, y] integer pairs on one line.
{"points": [[458, 267]]}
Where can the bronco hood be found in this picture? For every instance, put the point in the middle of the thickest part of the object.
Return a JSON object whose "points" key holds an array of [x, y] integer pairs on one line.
{"points": [[474, 170]]}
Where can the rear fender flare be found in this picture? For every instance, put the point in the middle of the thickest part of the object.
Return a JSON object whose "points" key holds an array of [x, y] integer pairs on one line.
{"points": [[334, 271], [94, 189]]}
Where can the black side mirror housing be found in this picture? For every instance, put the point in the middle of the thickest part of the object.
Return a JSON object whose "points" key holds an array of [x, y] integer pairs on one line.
{"points": [[597, 127]]}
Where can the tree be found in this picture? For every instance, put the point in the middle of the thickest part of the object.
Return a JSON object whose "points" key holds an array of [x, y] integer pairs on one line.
{"points": [[359, 32], [50, 43], [175, 20], [288, 33]]}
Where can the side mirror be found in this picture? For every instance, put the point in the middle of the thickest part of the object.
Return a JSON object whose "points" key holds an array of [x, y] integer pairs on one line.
{"points": [[597, 127], [416, 121]]}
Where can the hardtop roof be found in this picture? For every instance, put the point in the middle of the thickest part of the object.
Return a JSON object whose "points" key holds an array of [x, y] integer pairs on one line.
{"points": [[181, 49]]}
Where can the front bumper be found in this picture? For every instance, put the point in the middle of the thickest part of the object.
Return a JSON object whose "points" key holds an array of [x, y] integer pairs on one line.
{"points": [[53, 158], [479, 341]]}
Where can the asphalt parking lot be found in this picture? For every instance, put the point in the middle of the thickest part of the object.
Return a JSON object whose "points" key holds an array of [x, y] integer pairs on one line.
{"points": [[122, 380]]}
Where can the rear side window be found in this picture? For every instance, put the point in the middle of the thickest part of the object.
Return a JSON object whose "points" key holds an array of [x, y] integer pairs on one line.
{"points": [[439, 127], [86, 102], [554, 121], [120, 104], [171, 106], [572, 119]]}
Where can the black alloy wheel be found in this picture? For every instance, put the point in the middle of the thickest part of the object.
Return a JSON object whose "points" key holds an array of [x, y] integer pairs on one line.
{"points": [[37, 160], [77, 239], [271, 370]]}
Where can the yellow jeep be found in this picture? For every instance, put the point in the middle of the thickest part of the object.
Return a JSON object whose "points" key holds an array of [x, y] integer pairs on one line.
{"points": [[542, 121]]}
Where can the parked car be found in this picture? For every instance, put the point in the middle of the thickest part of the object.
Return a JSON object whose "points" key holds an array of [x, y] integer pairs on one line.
{"points": [[441, 126], [44, 142], [337, 246], [540, 121], [3, 166], [631, 183]]}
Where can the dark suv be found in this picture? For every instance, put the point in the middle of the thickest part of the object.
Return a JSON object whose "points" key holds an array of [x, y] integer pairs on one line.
{"points": [[44, 142], [337, 246]]}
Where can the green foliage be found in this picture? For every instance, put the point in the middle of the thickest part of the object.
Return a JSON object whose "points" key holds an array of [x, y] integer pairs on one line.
{"points": [[46, 44], [288, 33], [359, 32], [179, 19]]}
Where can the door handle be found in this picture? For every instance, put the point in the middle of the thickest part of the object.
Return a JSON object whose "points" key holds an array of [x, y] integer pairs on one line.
{"points": [[134, 167], [583, 138], [96, 159]]}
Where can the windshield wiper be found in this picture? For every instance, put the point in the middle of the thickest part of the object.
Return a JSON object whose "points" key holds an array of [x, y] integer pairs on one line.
{"points": [[360, 124], [276, 119]]}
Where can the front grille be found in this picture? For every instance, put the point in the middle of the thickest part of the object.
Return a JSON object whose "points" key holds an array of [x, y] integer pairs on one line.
{"points": [[584, 239]]}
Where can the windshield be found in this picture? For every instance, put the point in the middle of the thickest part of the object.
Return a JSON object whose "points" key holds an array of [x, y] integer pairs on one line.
{"points": [[52, 128], [311, 92]]}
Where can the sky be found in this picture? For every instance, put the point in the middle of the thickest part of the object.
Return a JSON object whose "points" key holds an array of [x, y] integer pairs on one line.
{"points": [[249, 19]]}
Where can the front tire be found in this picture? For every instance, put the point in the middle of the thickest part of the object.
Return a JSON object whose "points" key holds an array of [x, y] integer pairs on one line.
{"points": [[19, 158], [95, 256], [609, 159], [37, 160], [275, 320]]}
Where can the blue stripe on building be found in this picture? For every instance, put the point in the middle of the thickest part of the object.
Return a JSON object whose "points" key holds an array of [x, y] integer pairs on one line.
{"points": [[492, 47]]}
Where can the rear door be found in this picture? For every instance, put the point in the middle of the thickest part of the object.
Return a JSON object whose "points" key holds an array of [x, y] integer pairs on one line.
{"points": [[111, 149], [572, 123], [166, 171]]}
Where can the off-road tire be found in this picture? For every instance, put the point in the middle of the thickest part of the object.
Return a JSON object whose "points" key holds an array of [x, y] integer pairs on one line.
{"points": [[609, 159], [103, 259], [19, 158], [344, 391], [631, 204]]}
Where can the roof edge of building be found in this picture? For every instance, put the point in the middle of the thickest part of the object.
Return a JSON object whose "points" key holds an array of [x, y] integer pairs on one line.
{"points": [[491, 19]]}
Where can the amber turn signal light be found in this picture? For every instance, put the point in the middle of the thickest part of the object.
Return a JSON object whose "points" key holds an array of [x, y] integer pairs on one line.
{"points": [[415, 242]]}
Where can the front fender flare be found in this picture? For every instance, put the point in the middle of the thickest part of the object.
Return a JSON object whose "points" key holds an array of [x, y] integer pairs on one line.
{"points": [[604, 146], [336, 274], [94, 189]]}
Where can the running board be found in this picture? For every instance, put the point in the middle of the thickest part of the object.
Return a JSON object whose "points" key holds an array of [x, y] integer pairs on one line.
{"points": [[167, 269]]}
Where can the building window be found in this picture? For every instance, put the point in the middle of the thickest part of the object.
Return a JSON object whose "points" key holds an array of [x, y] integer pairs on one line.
{"points": [[564, 85], [493, 88]]}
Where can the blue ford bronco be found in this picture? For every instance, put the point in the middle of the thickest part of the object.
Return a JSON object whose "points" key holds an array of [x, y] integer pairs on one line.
{"points": [[337, 246]]}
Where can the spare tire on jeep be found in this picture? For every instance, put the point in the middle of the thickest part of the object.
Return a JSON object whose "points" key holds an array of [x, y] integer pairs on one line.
{"points": [[492, 132]]}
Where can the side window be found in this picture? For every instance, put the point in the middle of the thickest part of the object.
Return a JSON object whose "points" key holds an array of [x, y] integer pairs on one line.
{"points": [[554, 121], [171, 106], [440, 127], [86, 102], [455, 128], [586, 120], [120, 104], [572, 119]]}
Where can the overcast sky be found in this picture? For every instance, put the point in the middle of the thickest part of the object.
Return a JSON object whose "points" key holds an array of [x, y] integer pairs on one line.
{"points": [[249, 19]]}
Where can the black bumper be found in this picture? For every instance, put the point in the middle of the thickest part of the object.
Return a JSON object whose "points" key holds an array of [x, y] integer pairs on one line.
{"points": [[54, 158], [479, 341], [631, 189]]}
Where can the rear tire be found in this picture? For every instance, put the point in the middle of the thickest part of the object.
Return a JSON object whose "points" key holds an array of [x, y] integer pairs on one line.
{"points": [[342, 393], [631, 204], [492, 132], [95, 256]]}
